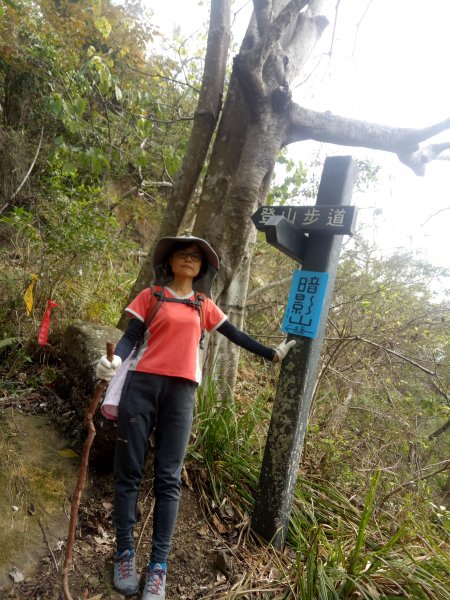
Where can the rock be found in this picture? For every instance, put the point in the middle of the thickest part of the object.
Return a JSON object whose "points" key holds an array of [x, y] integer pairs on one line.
{"points": [[222, 564], [93, 581], [182, 555], [81, 347]]}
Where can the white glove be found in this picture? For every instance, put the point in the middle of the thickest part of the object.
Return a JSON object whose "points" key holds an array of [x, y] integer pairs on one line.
{"points": [[284, 348], [107, 369]]}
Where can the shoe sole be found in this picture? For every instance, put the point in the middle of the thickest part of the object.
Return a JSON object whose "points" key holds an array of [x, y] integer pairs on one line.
{"points": [[128, 592]]}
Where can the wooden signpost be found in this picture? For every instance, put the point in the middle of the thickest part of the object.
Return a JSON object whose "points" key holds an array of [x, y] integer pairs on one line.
{"points": [[312, 236]]}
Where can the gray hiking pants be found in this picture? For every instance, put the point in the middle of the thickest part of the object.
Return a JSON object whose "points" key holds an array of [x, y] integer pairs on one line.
{"points": [[164, 405]]}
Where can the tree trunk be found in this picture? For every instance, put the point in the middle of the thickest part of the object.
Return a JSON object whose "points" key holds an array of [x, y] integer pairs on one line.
{"points": [[232, 232], [223, 356], [250, 136]]}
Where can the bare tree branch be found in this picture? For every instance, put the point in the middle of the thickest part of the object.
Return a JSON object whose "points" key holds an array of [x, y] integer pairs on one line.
{"points": [[306, 124], [281, 23], [268, 286], [159, 76], [82, 474], [263, 14], [419, 159], [438, 212], [249, 64], [440, 388], [308, 30], [31, 166], [358, 24], [397, 354], [389, 351], [441, 429], [412, 482]]}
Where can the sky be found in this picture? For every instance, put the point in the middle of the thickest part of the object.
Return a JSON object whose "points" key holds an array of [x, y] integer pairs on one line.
{"points": [[390, 65]]}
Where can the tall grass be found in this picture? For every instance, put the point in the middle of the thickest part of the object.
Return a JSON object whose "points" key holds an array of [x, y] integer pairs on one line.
{"points": [[227, 442], [337, 549]]}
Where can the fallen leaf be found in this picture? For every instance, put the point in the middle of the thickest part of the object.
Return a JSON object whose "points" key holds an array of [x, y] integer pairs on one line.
{"points": [[219, 525], [203, 531], [96, 597], [274, 574], [101, 540], [31, 509], [84, 549], [16, 575], [227, 511], [185, 479], [222, 564], [103, 549], [68, 453]]}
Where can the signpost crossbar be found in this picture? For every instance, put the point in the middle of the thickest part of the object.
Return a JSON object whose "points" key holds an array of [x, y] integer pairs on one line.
{"points": [[330, 218]]}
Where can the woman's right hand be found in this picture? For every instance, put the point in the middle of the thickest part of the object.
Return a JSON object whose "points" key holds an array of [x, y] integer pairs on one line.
{"points": [[282, 350], [106, 369]]}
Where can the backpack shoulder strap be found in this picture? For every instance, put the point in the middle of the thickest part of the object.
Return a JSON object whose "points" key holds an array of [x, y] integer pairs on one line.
{"points": [[155, 303], [156, 298], [200, 297]]}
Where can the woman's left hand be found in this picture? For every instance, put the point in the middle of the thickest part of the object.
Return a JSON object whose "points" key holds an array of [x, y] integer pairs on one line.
{"points": [[282, 350]]}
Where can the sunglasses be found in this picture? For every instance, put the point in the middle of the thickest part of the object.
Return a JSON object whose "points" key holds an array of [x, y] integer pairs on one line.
{"points": [[194, 256]]}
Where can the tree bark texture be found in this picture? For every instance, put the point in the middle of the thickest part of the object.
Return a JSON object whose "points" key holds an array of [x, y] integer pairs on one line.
{"points": [[222, 355], [251, 134]]}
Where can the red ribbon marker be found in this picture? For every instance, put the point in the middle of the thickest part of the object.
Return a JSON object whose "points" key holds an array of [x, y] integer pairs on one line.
{"points": [[45, 324]]}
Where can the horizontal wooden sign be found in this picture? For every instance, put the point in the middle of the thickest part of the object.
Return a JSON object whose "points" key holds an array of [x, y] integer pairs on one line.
{"points": [[338, 220]]}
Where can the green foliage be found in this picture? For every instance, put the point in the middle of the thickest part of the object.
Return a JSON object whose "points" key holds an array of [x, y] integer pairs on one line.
{"points": [[101, 120], [385, 355], [83, 75], [227, 441], [398, 569], [68, 240], [293, 178], [9, 342]]}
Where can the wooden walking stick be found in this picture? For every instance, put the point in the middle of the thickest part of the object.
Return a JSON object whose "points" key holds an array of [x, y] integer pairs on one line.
{"points": [[90, 412]]}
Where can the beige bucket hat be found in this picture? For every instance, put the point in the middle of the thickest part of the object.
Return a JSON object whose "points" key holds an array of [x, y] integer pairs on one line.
{"points": [[162, 252]]}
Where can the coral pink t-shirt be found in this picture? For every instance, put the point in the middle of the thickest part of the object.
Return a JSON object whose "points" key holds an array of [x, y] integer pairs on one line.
{"points": [[171, 346]]}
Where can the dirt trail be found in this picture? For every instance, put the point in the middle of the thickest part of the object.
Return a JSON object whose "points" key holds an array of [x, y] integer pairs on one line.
{"points": [[200, 565]]}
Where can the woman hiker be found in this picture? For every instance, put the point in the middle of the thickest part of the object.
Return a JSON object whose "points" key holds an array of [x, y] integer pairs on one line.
{"points": [[159, 394]]}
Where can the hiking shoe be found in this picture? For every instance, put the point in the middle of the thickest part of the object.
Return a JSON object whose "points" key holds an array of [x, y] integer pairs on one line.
{"points": [[125, 576], [155, 583]]}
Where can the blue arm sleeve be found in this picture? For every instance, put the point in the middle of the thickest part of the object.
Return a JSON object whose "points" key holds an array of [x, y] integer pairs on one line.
{"points": [[133, 333], [244, 340]]}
